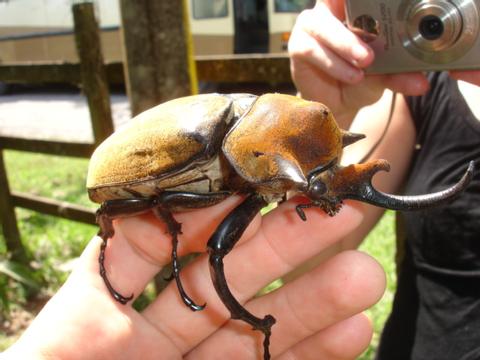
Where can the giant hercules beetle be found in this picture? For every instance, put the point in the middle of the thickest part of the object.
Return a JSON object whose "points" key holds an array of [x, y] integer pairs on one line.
{"points": [[195, 151]]}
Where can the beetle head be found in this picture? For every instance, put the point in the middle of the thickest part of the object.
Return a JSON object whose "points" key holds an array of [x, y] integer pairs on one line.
{"points": [[328, 186]]}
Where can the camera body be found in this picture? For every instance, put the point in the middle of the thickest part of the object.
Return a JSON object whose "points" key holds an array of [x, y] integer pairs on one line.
{"points": [[418, 35]]}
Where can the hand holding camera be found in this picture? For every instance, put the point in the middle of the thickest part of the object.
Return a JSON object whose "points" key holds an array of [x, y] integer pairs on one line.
{"points": [[329, 60], [328, 63]]}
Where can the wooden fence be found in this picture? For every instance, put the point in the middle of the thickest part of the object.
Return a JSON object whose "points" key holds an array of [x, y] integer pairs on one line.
{"points": [[91, 74], [95, 77]]}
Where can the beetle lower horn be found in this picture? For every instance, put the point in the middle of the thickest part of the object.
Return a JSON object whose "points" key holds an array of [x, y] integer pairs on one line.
{"points": [[363, 190]]}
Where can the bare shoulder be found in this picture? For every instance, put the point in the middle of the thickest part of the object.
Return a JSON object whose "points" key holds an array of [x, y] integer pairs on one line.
{"points": [[388, 130]]}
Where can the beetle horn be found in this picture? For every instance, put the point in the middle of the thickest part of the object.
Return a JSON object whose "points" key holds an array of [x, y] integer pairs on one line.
{"points": [[349, 137], [355, 183]]}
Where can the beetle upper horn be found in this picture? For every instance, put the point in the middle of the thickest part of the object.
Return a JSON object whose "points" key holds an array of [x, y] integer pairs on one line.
{"points": [[349, 137], [363, 190]]}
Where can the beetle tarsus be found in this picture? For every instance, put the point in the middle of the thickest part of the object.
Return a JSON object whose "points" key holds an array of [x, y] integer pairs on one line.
{"points": [[174, 228], [103, 273], [266, 341]]}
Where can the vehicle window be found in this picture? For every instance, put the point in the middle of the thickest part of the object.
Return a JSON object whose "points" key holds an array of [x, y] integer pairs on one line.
{"points": [[207, 9], [295, 6]]}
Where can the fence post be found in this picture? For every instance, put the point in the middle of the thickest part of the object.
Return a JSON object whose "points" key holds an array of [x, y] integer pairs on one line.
{"points": [[13, 241], [93, 74], [158, 55]]}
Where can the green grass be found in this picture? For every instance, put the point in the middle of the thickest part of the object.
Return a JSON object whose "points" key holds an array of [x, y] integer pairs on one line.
{"points": [[380, 244], [49, 240], [52, 241]]}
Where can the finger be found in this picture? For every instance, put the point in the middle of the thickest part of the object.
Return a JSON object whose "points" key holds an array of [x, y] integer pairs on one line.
{"points": [[343, 286], [337, 7], [471, 76], [141, 246], [344, 340], [126, 271], [409, 84], [305, 49], [329, 30], [283, 243]]}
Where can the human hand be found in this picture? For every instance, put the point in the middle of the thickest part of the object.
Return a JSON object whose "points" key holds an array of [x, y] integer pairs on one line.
{"points": [[319, 315], [328, 62], [471, 76]]}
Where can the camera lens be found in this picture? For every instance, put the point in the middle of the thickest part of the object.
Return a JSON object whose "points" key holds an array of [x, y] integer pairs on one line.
{"points": [[431, 27], [438, 31]]}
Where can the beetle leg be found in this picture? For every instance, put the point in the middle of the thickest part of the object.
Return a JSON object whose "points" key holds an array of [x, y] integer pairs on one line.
{"points": [[299, 209], [331, 208], [106, 231], [181, 200], [110, 210], [219, 245], [168, 200], [174, 228]]}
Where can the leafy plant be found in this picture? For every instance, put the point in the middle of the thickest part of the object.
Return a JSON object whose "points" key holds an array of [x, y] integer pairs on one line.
{"points": [[18, 273]]}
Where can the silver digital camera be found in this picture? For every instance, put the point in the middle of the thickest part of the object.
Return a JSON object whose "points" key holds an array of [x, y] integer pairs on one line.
{"points": [[418, 35]]}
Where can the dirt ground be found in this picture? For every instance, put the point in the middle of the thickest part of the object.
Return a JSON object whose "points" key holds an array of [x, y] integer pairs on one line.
{"points": [[53, 113]]}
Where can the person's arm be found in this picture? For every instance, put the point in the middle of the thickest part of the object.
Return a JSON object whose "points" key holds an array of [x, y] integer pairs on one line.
{"points": [[397, 146], [327, 63], [318, 316]]}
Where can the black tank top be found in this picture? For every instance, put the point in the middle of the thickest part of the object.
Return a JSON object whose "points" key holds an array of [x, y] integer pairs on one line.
{"points": [[436, 310]]}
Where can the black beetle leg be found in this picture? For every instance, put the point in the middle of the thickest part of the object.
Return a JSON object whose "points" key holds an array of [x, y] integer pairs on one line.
{"points": [[106, 231], [110, 210], [174, 228], [168, 200], [299, 209], [219, 245]]}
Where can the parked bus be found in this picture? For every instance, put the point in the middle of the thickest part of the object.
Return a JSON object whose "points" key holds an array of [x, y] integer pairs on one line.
{"points": [[42, 30]]}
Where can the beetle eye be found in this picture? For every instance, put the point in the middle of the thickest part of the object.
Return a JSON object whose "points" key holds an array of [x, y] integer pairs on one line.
{"points": [[317, 189]]}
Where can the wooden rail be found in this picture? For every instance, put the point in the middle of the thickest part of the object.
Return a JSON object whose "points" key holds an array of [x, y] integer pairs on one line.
{"points": [[231, 69], [83, 150], [53, 207]]}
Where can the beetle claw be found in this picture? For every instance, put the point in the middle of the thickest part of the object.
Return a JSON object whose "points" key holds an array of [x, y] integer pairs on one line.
{"points": [[195, 307], [120, 298], [300, 212]]}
